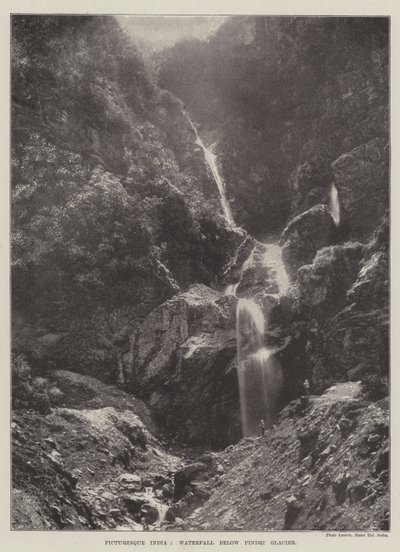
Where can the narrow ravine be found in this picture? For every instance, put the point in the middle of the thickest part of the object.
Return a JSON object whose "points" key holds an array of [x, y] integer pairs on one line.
{"points": [[260, 376]]}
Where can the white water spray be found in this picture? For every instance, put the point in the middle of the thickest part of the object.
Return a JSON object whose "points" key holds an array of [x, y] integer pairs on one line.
{"points": [[259, 372], [160, 506], [211, 160], [273, 258], [334, 206]]}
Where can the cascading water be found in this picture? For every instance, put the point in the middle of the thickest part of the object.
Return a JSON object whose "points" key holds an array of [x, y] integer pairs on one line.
{"points": [[334, 206], [152, 501], [211, 160], [259, 372]]}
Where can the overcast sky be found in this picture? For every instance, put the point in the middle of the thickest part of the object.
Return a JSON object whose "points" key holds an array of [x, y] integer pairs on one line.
{"points": [[162, 31]]}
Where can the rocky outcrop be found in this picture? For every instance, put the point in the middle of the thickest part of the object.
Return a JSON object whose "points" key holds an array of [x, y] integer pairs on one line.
{"points": [[345, 293], [88, 466], [361, 178], [305, 473], [362, 327], [182, 361], [323, 285], [304, 235]]}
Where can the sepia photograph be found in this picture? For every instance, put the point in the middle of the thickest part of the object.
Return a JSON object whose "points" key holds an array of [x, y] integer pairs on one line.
{"points": [[200, 273]]}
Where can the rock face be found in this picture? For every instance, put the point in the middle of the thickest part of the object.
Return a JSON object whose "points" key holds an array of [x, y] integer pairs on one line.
{"points": [[182, 361], [310, 180], [362, 327], [345, 292], [304, 235], [361, 178], [233, 270], [323, 284]]}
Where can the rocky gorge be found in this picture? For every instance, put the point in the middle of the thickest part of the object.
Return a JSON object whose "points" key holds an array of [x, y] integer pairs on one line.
{"points": [[158, 333]]}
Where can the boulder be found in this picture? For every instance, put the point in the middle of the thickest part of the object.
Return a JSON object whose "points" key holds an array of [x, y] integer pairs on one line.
{"points": [[361, 178], [133, 503], [182, 363], [199, 311], [339, 487], [304, 235], [183, 477], [167, 490], [293, 508], [192, 470], [308, 438], [149, 513], [170, 514], [130, 481]]}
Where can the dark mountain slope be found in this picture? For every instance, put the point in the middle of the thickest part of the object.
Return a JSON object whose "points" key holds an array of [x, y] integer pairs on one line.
{"points": [[112, 207], [284, 96]]}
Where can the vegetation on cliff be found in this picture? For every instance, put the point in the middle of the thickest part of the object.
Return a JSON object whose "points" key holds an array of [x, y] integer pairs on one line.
{"points": [[285, 96], [113, 209], [125, 270]]}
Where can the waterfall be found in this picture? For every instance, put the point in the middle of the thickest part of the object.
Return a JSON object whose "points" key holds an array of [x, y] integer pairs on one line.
{"points": [[211, 160], [334, 206], [273, 258], [260, 375], [259, 372]]}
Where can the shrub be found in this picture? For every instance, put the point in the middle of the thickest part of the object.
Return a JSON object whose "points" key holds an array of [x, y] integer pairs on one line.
{"points": [[31, 392]]}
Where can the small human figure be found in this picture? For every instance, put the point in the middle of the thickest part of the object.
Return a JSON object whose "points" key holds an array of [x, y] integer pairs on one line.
{"points": [[306, 386], [262, 428]]}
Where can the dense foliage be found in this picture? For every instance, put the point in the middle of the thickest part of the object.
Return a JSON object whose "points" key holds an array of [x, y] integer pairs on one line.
{"points": [[36, 393], [112, 207], [281, 92]]}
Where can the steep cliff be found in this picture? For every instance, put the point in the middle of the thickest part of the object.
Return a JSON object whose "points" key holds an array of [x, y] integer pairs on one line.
{"points": [[285, 97], [113, 207], [126, 267]]}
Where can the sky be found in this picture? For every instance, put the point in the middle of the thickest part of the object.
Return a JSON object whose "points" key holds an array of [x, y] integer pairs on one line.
{"points": [[163, 31]]}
